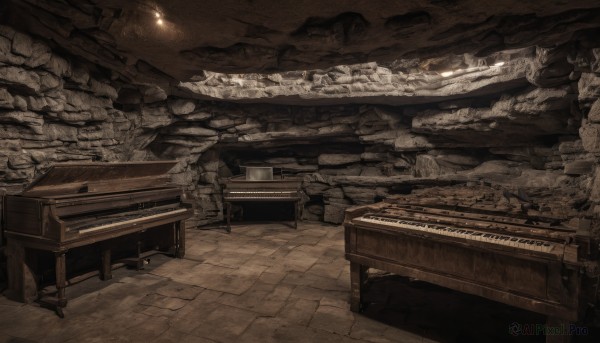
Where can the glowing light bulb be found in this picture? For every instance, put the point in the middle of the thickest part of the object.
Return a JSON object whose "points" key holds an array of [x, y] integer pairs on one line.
{"points": [[498, 64], [157, 14], [159, 21], [447, 73]]}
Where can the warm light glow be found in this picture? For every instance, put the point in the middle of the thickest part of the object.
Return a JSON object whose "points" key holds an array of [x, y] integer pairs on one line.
{"points": [[498, 64], [159, 21], [447, 73], [157, 14]]}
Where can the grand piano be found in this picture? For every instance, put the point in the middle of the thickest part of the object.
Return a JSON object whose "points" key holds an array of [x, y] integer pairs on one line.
{"points": [[74, 205], [532, 262], [259, 184]]}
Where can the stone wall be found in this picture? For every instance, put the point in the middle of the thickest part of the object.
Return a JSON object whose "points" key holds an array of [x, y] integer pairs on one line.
{"points": [[53, 110], [537, 132]]}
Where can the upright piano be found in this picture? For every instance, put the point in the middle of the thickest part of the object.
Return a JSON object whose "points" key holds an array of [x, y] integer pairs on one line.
{"points": [[531, 262], [73, 205], [259, 185]]}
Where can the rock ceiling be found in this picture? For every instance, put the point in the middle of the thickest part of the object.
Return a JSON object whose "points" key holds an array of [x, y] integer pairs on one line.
{"points": [[173, 40]]}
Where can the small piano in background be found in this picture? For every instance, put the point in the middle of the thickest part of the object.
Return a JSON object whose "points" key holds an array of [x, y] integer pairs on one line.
{"points": [[534, 263], [72, 206], [260, 185]]}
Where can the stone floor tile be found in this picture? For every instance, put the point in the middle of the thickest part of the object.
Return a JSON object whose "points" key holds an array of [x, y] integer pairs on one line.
{"points": [[148, 330], [262, 330], [172, 335], [226, 283], [315, 281], [302, 334], [199, 248], [228, 259], [263, 286], [298, 261], [260, 260], [161, 301], [311, 293], [181, 291], [299, 311], [174, 267], [305, 240], [272, 278], [208, 295], [143, 279], [312, 250], [330, 270], [315, 232], [251, 270], [190, 317], [155, 311], [342, 303], [264, 302], [332, 319], [225, 323]]}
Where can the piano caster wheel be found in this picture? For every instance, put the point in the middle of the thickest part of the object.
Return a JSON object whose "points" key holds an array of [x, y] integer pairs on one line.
{"points": [[59, 312]]}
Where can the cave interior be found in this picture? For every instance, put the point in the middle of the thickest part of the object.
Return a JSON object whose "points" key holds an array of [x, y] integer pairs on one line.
{"points": [[362, 101]]}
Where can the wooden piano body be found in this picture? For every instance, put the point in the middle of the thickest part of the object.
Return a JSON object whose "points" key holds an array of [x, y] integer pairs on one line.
{"points": [[265, 188], [542, 268], [77, 205]]}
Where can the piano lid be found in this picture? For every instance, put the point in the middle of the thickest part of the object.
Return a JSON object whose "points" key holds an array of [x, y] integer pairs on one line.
{"points": [[71, 178]]}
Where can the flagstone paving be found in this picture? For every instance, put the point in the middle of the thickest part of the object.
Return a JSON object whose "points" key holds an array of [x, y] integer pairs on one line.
{"points": [[261, 283]]}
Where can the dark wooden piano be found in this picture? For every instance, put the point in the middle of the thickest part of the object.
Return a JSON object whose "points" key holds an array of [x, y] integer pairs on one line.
{"points": [[533, 263], [76, 205], [259, 185]]}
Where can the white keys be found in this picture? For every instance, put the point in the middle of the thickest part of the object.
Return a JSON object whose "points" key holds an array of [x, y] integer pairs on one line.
{"points": [[480, 236]]}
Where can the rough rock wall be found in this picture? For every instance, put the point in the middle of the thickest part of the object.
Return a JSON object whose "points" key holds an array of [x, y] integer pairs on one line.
{"points": [[358, 154], [538, 132], [52, 110]]}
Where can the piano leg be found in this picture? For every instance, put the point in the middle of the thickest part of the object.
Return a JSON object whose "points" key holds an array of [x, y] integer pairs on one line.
{"points": [[358, 278], [137, 261], [296, 210], [106, 268], [180, 238], [61, 282], [228, 228]]}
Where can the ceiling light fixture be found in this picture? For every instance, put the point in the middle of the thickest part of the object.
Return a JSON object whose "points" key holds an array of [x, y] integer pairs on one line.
{"points": [[447, 73], [498, 64], [159, 21], [157, 14]]}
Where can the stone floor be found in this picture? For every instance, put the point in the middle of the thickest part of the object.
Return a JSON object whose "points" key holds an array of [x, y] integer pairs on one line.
{"points": [[261, 283]]}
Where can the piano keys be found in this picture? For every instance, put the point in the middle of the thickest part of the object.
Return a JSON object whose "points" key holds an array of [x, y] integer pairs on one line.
{"points": [[539, 266], [76, 205], [259, 185]]}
